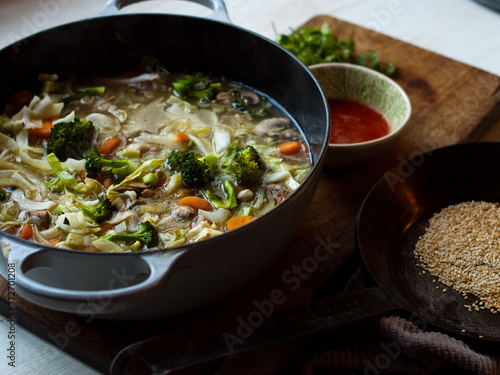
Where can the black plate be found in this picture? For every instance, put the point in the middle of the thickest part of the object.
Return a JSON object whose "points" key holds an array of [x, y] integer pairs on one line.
{"points": [[494, 4], [396, 212]]}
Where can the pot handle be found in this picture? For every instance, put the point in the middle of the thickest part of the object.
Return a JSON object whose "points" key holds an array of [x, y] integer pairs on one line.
{"points": [[113, 7], [53, 277]]}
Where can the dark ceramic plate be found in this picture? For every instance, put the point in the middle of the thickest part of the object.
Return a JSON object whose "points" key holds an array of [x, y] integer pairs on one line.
{"points": [[494, 4]]}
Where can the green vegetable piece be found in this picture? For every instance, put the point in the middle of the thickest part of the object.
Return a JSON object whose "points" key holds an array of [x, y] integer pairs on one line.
{"points": [[62, 209], [239, 105], [315, 46], [198, 88], [230, 154], [3, 195], [71, 139], [101, 212], [174, 160], [248, 167], [228, 202], [195, 171], [63, 179], [140, 171], [83, 92], [150, 178], [96, 165], [261, 110], [147, 235]]}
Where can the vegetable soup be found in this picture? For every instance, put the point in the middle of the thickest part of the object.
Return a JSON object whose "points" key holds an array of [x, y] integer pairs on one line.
{"points": [[144, 160]]}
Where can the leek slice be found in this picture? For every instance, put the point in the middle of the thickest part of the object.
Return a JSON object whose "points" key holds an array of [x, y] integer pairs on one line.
{"points": [[107, 246]]}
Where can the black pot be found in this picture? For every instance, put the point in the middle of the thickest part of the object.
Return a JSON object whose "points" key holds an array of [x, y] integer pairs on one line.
{"points": [[166, 281]]}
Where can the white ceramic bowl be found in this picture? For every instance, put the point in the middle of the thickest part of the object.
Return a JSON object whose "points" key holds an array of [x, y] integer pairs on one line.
{"points": [[348, 81]]}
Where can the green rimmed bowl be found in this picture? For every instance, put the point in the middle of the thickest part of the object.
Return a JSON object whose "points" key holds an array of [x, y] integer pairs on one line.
{"points": [[348, 81]]}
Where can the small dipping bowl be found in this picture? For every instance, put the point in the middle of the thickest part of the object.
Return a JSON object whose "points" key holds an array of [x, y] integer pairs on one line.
{"points": [[354, 82]]}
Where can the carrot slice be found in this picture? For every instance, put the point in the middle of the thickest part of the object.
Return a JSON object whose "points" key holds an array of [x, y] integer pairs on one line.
{"points": [[195, 202], [44, 131], [104, 228], [110, 146], [290, 147], [238, 221], [55, 241], [182, 137], [26, 232]]}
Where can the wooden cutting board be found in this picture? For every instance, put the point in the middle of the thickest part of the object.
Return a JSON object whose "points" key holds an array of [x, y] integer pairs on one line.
{"points": [[452, 103]]}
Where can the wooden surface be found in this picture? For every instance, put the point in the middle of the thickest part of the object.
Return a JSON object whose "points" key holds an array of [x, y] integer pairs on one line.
{"points": [[452, 103]]}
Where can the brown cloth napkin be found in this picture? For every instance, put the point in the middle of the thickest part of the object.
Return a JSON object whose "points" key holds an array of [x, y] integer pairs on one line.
{"points": [[384, 345]]}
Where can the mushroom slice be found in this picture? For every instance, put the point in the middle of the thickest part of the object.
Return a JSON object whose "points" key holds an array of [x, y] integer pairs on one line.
{"points": [[224, 97], [143, 147], [184, 212], [271, 126], [120, 204], [245, 195], [278, 193], [131, 186], [290, 135], [248, 96], [39, 217], [135, 202]]}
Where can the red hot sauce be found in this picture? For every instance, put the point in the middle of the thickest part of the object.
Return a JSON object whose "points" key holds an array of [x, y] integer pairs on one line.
{"points": [[354, 122]]}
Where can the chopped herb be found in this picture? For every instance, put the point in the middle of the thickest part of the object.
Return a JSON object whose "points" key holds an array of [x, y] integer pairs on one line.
{"points": [[315, 46]]}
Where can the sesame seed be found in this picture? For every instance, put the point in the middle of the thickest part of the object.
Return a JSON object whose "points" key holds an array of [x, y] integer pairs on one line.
{"points": [[461, 249]]}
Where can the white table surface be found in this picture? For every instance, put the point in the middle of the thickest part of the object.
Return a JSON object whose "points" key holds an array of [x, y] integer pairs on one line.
{"points": [[459, 29]]}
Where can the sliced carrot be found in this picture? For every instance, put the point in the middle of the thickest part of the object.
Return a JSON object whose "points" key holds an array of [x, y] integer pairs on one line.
{"points": [[290, 147], [26, 232], [55, 241], [92, 249], [238, 221], [182, 137], [104, 228], [195, 202], [44, 131], [110, 146]]}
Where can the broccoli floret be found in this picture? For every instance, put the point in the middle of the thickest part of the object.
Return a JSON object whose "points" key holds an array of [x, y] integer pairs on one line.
{"points": [[102, 211], [71, 139], [195, 171], [146, 235], [198, 88], [175, 160], [248, 167], [95, 164], [227, 202]]}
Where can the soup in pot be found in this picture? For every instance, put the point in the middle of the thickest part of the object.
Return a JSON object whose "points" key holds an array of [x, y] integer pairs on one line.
{"points": [[144, 160]]}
